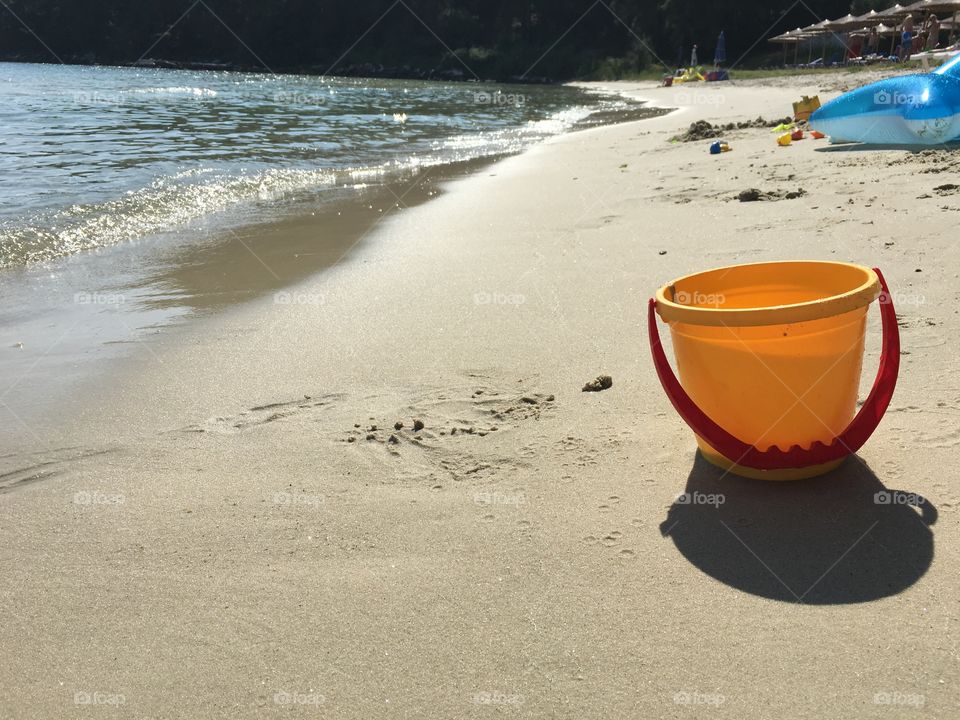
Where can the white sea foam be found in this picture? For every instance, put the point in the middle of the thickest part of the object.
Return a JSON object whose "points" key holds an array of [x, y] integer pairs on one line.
{"points": [[102, 160], [179, 90], [165, 205]]}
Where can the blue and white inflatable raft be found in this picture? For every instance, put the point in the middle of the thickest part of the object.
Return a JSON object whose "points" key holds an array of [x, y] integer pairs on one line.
{"points": [[906, 110]]}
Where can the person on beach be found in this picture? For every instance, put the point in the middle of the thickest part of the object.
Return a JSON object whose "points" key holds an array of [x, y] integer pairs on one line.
{"points": [[933, 32], [873, 41], [906, 38], [693, 57]]}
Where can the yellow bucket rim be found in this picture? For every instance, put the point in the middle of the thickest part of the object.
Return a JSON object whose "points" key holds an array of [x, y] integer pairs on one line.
{"points": [[861, 296]]}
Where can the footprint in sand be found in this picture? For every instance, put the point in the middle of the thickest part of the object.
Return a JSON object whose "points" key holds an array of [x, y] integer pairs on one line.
{"points": [[612, 538], [456, 415], [586, 456], [949, 498], [610, 503], [527, 452], [260, 415], [947, 439], [626, 554], [890, 470], [41, 466], [450, 434]]}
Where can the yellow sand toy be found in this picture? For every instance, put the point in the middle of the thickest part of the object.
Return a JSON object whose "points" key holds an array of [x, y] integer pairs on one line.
{"points": [[769, 356], [804, 108], [691, 75]]}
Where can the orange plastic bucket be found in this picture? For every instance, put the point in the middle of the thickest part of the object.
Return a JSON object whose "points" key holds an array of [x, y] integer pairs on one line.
{"points": [[769, 357]]}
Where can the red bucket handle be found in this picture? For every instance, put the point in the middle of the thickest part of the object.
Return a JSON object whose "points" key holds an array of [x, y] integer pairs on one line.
{"points": [[848, 442]]}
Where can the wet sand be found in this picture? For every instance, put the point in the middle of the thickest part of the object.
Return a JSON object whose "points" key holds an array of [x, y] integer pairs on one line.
{"points": [[229, 530], [68, 325]]}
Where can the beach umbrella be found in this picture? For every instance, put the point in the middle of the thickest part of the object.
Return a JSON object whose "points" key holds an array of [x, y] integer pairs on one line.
{"points": [[720, 54], [934, 6], [869, 19], [791, 37], [886, 30], [867, 22], [845, 23], [817, 28], [822, 30], [879, 29], [892, 14], [784, 42]]}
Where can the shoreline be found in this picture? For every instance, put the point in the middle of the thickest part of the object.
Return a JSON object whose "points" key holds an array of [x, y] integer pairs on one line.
{"points": [[131, 298], [222, 503], [143, 292]]}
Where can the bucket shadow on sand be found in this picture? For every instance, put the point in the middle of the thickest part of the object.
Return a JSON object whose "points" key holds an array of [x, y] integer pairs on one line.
{"points": [[827, 540]]}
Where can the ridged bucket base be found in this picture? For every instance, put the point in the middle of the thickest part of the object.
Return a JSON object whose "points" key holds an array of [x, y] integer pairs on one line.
{"points": [[715, 458]]}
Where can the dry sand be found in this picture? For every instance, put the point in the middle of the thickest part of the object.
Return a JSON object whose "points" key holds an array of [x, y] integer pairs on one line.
{"points": [[217, 537]]}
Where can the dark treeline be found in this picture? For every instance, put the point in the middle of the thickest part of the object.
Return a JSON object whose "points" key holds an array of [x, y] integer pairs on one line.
{"points": [[489, 39]]}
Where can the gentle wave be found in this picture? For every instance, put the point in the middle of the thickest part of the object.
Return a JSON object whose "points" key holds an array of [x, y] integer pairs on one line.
{"points": [[191, 194], [238, 141], [193, 91], [165, 206]]}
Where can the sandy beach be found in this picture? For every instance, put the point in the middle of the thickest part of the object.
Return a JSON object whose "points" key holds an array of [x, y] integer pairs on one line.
{"points": [[233, 527]]}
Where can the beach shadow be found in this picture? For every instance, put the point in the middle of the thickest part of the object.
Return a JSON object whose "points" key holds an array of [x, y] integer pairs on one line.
{"points": [[840, 538], [865, 147]]}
